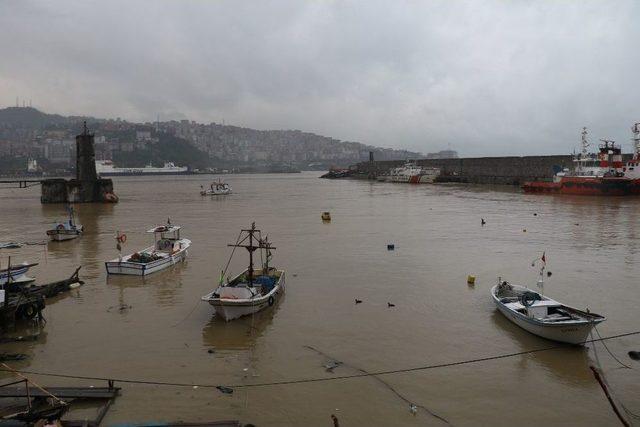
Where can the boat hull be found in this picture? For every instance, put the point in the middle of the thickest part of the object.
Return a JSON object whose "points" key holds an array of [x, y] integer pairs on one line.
{"points": [[586, 186], [214, 193], [573, 333], [230, 309], [62, 235], [143, 269]]}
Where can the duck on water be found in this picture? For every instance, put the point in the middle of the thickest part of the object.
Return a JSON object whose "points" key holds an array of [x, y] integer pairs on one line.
{"points": [[253, 289], [541, 315]]}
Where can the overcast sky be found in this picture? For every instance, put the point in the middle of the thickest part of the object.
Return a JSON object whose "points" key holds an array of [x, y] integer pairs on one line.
{"points": [[481, 77]]}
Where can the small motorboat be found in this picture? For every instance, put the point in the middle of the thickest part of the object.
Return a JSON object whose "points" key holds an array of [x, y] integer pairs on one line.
{"points": [[66, 230], [216, 189], [16, 273], [253, 289], [168, 249], [542, 315]]}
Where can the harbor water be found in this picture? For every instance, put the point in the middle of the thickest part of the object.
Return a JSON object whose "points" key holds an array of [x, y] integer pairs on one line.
{"points": [[156, 329]]}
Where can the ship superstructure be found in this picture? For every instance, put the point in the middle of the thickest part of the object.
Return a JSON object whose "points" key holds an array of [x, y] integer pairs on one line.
{"points": [[604, 173]]}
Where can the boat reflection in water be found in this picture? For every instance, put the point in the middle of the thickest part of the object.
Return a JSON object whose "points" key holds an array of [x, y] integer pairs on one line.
{"points": [[571, 369], [165, 287], [240, 334]]}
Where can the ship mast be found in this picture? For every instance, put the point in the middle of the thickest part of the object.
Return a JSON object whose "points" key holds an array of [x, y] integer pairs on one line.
{"points": [[585, 144], [251, 248], [636, 140]]}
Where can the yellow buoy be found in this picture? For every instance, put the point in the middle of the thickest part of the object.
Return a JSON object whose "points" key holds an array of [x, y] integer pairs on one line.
{"points": [[471, 280], [326, 216]]}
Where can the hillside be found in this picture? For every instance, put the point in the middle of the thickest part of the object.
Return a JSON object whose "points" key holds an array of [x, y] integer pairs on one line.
{"points": [[29, 133]]}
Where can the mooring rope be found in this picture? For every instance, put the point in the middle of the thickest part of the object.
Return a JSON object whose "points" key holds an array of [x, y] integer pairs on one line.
{"points": [[324, 379]]}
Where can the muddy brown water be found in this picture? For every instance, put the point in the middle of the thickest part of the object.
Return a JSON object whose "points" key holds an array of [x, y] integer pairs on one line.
{"points": [[156, 329]]}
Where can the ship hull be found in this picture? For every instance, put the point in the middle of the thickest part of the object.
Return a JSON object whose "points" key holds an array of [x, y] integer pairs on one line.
{"points": [[145, 173], [596, 186]]}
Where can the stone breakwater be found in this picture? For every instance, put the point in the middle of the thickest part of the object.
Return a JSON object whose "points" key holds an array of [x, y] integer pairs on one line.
{"points": [[479, 170]]}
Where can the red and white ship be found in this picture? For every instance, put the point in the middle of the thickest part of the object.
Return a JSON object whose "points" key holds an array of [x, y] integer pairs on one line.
{"points": [[412, 173], [604, 174]]}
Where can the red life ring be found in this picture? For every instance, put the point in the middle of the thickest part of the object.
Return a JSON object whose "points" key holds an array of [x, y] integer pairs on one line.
{"points": [[60, 227]]}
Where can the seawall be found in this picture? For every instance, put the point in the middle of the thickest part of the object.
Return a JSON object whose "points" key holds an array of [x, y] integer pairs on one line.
{"points": [[479, 170]]}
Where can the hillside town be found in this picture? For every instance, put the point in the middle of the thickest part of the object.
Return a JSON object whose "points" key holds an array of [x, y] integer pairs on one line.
{"points": [[35, 142]]}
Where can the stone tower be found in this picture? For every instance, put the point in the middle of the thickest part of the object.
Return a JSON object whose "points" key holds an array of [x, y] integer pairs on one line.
{"points": [[85, 157], [87, 187]]}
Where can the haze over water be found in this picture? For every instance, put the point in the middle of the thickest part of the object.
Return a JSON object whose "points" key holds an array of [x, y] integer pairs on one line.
{"points": [[164, 333]]}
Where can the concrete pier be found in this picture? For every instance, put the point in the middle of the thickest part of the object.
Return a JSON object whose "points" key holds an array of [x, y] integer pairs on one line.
{"points": [[479, 170], [87, 187]]}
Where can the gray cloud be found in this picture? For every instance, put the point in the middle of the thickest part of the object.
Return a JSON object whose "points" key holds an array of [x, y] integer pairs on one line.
{"points": [[486, 78]]}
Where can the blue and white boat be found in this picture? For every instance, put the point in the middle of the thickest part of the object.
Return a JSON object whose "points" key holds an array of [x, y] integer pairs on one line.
{"points": [[16, 273], [542, 315], [252, 290], [66, 230], [168, 249]]}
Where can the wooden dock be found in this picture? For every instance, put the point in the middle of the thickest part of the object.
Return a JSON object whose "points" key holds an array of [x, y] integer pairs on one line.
{"points": [[62, 392], [27, 404], [20, 182]]}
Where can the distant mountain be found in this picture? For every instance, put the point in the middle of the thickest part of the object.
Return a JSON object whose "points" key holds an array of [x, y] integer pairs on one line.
{"points": [[29, 133], [27, 117]]}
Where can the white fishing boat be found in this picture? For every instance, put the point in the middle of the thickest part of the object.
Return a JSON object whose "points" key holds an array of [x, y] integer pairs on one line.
{"points": [[168, 249], [253, 289], [16, 273], [216, 189], [66, 230], [541, 315]]}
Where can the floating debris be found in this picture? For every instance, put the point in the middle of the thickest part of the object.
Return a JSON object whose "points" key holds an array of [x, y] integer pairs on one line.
{"points": [[336, 423], [358, 301], [225, 390], [326, 216], [17, 245], [524, 230], [390, 304], [20, 338], [331, 365], [6, 357], [413, 409], [634, 355], [535, 214], [549, 274], [211, 351], [482, 221], [391, 247], [471, 279]]}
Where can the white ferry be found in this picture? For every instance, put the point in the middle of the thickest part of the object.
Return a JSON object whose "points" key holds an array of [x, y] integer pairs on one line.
{"points": [[107, 168]]}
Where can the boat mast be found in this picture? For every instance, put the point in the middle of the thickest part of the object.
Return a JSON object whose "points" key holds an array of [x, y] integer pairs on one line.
{"points": [[585, 143], [636, 140], [251, 248]]}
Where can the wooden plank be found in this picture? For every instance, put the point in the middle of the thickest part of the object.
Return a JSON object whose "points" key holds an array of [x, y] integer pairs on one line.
{"points": [[63, 392]]}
